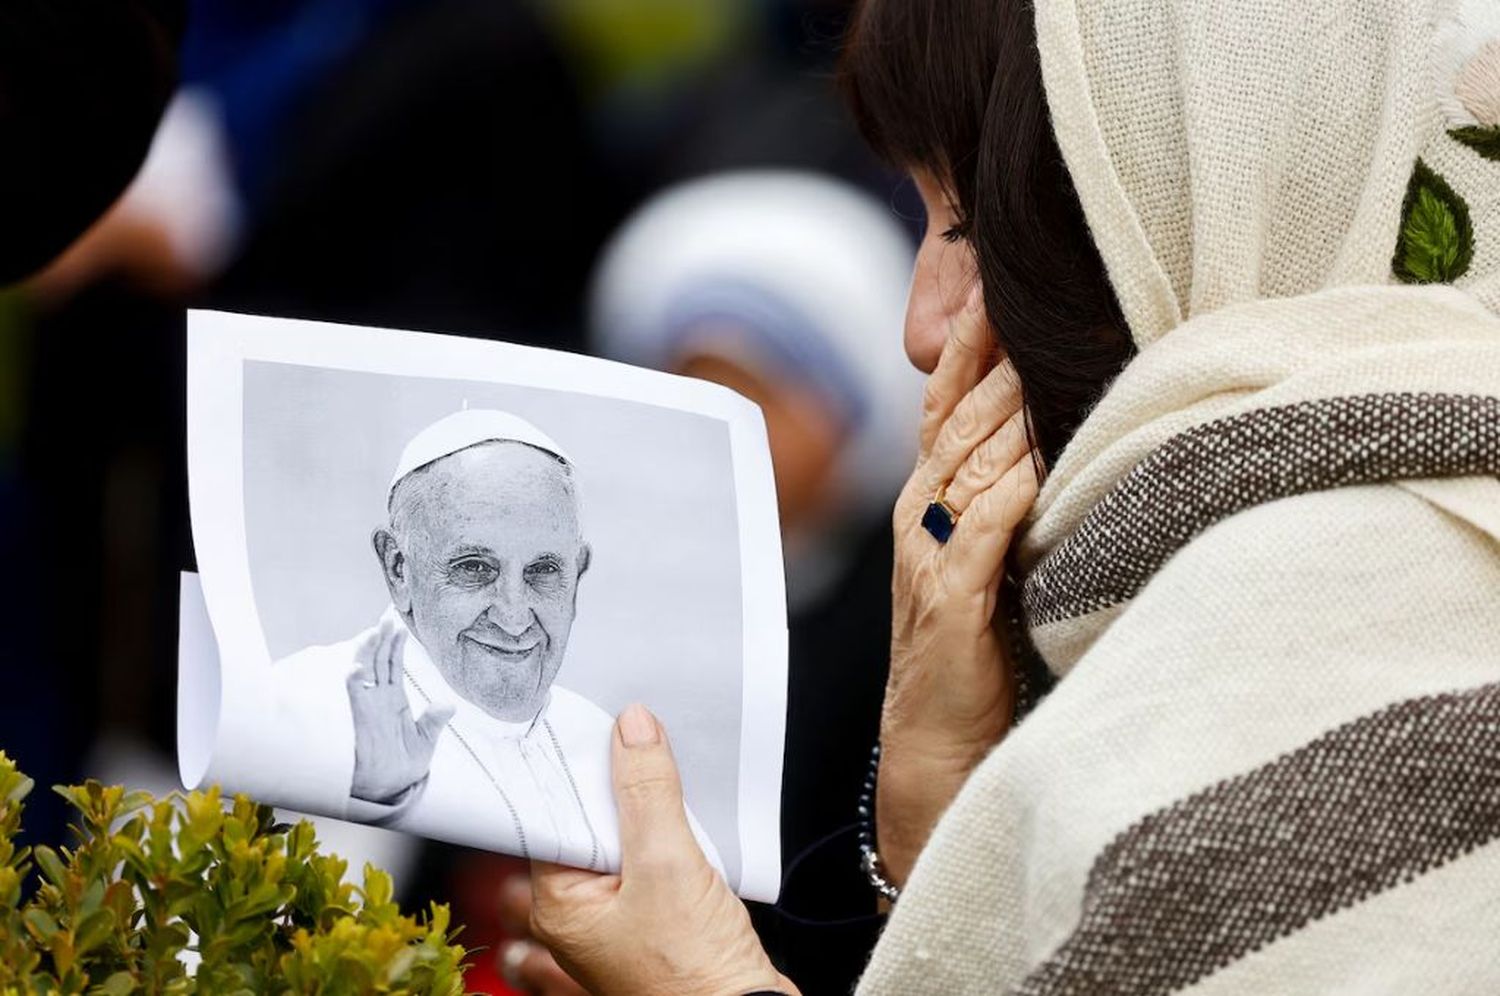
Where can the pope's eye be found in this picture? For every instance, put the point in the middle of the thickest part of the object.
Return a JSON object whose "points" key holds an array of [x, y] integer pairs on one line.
{"points": [[473, 571], [543, 570]]}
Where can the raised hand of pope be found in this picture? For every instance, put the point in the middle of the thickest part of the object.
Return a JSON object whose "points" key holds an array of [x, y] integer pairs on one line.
{"points": [[392, 748], [950, 696]]}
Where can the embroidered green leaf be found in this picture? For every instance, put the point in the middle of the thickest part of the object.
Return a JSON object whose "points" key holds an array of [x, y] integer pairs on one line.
{"points": [[1483, 139], [1437, 237]]}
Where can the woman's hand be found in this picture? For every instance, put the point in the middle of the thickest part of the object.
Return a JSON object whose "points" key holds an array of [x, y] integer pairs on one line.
{"points": [[668, 923], [523, 964], [951, 695]]}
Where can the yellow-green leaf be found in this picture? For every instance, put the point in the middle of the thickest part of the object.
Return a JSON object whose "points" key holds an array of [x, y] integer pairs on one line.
{"points": [[40, 923], [51, 865], [119, 984], [93, 930], [20, 789]]}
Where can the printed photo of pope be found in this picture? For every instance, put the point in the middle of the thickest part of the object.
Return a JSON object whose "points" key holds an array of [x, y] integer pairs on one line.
{"points": [[449, 700]]}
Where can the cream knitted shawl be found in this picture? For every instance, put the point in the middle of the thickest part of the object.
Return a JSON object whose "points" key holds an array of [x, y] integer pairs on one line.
{"points": [[1267, 569]]}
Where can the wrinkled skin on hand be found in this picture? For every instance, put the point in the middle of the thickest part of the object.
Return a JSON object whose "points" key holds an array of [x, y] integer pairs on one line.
{"points": [[523, 963], [668, 924], [951, 693]]}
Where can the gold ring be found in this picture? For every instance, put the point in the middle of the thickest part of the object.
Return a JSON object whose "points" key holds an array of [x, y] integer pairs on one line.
{"points": [[940, 518]]}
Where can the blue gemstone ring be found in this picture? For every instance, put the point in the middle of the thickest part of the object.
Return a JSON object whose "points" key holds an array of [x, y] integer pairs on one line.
{"points": [[940, 517]]}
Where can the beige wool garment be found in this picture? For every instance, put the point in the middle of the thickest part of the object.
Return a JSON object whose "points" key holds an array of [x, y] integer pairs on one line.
{"points": [[1267, 568]]}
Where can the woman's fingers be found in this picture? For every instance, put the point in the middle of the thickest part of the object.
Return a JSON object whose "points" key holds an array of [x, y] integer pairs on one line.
{"points": [[981, 412], [983, 534], [531, 968], [557, 887], [654, 833], [988, 462], [514, 905], [550, 880], [666, 923], [565, 900], [967, 354]]}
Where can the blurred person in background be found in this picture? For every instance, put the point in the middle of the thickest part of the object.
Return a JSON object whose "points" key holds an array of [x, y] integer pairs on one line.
{"points": [[359, 160], [779, 285], [104, 322], [82, 85], [770, 282], [443, 178], [246, 65]]}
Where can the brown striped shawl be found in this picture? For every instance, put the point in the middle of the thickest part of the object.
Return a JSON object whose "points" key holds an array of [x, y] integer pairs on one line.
{"points": [[1279, 640], [1267, 569]]}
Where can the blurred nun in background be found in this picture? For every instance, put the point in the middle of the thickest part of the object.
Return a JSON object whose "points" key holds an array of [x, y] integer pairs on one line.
{"points": [[790, 288]]}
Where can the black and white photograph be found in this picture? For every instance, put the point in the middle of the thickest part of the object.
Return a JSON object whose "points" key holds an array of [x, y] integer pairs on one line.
{"points": [[436, 575]]}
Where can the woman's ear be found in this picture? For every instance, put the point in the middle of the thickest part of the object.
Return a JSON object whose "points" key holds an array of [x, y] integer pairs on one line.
{"points": [[585, 555], [394, 568]]}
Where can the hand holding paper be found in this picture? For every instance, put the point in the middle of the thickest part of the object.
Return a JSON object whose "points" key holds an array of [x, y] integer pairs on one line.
{"points": [[623, 934]]}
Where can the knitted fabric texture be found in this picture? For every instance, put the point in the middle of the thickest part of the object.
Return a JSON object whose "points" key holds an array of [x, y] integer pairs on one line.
{"points": [[1267, 568]]}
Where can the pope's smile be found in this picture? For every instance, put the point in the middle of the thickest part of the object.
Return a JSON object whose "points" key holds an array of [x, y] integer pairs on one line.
{"points": [[507, 651]]}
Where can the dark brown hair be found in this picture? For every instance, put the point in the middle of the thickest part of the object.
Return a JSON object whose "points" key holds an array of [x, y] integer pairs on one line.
{"points": [[955, 87]]}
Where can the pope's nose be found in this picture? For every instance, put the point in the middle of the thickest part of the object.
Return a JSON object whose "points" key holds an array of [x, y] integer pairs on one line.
{"points": [[510, 615]]}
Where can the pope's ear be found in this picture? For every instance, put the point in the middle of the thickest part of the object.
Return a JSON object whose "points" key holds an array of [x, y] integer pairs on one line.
{"points": [[393, 567], [585, 556]]}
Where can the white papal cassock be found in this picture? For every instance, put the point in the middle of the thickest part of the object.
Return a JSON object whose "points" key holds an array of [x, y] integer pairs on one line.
{"points": [[538, 789]]}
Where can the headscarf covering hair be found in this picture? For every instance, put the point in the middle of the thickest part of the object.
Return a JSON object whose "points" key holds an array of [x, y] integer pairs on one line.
{"points": [[802, 277], [82, 86]]}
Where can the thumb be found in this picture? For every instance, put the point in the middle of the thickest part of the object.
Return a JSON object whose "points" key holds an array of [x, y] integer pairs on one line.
{"points": [[433, 720], [654, 834]]}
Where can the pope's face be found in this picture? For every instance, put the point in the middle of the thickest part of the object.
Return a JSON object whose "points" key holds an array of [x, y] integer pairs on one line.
{"points": [[485, 567]]}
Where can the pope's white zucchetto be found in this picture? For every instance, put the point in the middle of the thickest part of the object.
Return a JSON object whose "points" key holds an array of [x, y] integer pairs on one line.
{"points": [[466, 428]]}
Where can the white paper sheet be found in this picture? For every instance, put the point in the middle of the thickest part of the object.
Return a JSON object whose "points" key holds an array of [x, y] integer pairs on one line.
{"points": [[536, 596]]}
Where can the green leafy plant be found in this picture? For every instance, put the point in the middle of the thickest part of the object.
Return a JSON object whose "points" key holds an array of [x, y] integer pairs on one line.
{"points": [[183, 895], [1437, 236]]}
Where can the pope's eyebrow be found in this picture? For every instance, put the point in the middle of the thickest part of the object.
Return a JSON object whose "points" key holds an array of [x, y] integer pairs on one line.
{"points": [[470, 550]]}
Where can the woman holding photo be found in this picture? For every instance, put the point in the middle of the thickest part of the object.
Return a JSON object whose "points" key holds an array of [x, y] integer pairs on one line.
{"points": [[1240, 266]]}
